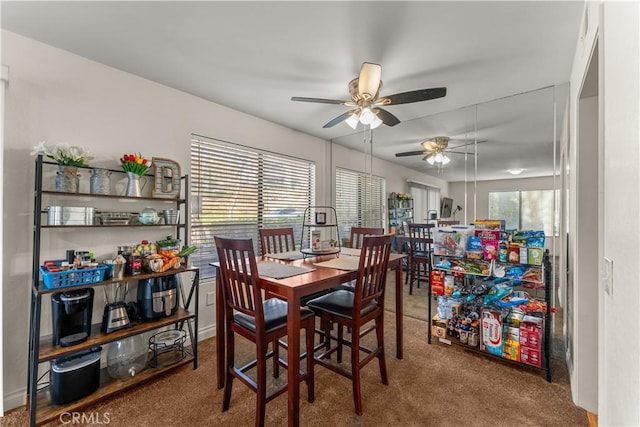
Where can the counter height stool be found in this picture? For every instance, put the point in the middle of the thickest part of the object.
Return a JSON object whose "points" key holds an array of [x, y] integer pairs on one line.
{"points": [[355, 310], [356, 238], [257, 320], [419, 253]]}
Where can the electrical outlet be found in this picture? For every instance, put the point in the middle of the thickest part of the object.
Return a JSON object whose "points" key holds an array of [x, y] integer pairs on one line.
{"points": [[211, 298]]}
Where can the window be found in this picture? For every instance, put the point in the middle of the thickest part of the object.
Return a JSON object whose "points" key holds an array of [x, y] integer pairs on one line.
{"points": [[236, 190], [359, 200], [526, 210], [425, 198]]}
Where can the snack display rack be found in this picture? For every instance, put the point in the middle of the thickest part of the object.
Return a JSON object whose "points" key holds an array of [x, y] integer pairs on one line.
{"points": [[500, 309]]}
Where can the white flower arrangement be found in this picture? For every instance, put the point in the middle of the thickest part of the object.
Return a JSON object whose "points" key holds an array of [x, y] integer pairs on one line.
{"points": [[63, 153]]}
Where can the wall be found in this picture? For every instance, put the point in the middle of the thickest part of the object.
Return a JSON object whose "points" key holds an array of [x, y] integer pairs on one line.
{"points": [[619, 361]]}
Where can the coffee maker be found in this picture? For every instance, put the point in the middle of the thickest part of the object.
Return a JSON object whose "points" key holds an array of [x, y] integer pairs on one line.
{"points": [[115, 315], [71, 316]]}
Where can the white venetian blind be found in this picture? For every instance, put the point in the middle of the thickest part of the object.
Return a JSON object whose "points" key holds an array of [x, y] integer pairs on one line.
{"points": [[236, 190], [359, 200]]}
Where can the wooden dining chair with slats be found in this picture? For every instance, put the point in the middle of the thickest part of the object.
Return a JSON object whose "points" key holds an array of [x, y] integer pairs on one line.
{"points": [[419, 254], [277, 240], [356, 238], [355, 310], [260, 321]]}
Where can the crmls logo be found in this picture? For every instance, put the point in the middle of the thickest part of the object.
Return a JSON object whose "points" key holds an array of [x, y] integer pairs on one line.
{"points": [[91, 418]]}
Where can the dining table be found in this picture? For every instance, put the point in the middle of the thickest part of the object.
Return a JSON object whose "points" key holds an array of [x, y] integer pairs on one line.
{"points": [[292, 278]]}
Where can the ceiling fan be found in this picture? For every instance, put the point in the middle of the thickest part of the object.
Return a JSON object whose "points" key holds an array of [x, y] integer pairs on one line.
{"points": [[364, 91], [435, 149]]}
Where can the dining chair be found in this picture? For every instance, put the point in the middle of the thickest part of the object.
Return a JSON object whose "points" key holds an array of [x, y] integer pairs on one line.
{"points": [[259, 321], [355, 310], [356, 237], [277, 240], [419, 253]]}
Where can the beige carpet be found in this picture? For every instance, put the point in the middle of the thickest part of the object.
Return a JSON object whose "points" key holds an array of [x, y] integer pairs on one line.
{"points": [[433, 386]]}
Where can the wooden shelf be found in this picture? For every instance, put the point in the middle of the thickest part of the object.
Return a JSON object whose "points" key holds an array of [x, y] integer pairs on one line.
{"points": [[108, 387], [48, 351]]}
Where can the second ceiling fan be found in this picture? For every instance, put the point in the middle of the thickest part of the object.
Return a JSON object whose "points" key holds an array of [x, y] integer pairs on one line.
{"points": [[434, 150], [364, 91]]}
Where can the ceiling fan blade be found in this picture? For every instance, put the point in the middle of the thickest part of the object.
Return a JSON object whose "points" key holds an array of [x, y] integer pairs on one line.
{"points": [[369, 80], [410, 153], [386, 117], [341, 118], [318, 100], [415, 96]]}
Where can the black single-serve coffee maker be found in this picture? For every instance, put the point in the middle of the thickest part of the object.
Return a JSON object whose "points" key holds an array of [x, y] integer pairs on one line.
{"points": [[71, 316]]}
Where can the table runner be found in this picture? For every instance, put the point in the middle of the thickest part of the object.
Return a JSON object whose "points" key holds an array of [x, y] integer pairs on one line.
{"points": [[280, 271], [349, 263]]}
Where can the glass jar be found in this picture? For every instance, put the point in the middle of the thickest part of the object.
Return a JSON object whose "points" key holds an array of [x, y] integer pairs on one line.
{"points": [[127, 357]]}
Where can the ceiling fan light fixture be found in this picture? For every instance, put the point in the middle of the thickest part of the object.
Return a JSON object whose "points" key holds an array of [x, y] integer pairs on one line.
{"points": [[431, 160], [376, 122], [445, 159], [352, 121], [366, 116]]}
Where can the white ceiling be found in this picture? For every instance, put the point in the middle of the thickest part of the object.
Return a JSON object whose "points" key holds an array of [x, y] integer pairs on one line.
{"points": [[254, 56]]}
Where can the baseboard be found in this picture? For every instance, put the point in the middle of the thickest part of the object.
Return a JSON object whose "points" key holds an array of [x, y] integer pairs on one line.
{"points": [[592, 419]]}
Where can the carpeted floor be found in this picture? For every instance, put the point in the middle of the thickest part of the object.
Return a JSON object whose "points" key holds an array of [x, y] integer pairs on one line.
{"points": [[434, 385]]}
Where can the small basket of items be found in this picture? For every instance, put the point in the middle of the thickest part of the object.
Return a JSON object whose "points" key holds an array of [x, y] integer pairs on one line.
{"points": [[165, 255]]}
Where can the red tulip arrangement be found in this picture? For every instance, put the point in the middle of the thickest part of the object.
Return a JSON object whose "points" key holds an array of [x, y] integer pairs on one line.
{"points": [[135, 163]]}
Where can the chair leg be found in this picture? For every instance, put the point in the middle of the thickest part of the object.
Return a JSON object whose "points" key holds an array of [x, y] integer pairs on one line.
{"points": [[276, 357], [326, 325], [381, 357], [228, 384], [340, 341], [355, 371], [261, 382], [309, 335]]}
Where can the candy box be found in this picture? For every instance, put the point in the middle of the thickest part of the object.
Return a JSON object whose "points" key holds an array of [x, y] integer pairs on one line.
{"points": [[530, 356], [531, 332], [437, 282], [534, 256]]}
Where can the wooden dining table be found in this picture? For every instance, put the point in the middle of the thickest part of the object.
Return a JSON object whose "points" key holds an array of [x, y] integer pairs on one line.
{"points": [[293, 289]]}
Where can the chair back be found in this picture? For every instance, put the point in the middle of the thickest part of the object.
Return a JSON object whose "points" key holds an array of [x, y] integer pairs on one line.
{"points": [[239, 278], [372, 271], [420, 238], [358, 233], [277, 240]]}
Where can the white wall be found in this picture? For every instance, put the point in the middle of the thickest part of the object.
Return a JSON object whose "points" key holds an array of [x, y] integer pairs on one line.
{"points": [[57, 96], [619, 352]]}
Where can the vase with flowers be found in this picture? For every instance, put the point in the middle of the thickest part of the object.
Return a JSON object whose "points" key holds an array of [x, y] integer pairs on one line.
{"points": [[69, 158], [135, 166]]}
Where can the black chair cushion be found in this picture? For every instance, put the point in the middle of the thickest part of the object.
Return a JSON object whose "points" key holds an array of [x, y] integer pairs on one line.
{"points": [[275, 315], [340, 303], [305, 300], [349, 286]]}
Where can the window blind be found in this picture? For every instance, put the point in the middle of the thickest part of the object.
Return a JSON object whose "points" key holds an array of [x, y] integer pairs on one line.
{"points": [[236, 190], [359, 200]]}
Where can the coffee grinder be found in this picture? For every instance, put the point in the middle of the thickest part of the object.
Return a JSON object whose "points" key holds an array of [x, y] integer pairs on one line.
{"points": [[115, 315], [71, 316]]}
